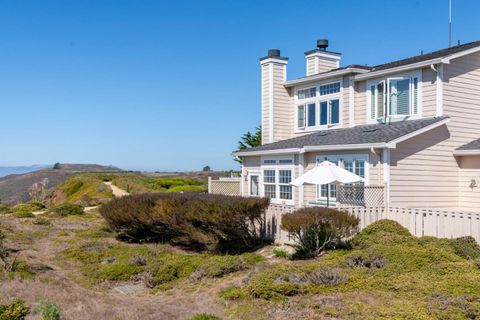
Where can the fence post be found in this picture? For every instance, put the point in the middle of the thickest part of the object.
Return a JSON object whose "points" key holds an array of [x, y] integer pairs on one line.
{"points": [[209, 184], [386, 203]]}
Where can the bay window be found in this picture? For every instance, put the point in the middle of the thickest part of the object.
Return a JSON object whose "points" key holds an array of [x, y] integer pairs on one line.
{"points": [[394, 97], [319, 108]]}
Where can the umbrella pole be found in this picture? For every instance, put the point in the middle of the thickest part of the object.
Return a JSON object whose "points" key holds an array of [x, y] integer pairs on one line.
{"points": [[328, 196]]}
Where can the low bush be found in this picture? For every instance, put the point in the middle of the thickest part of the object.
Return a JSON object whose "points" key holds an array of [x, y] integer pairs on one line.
{"points": [[23, 214], [280, 253], [369, 259], [188, 188], [24, 210], [49, 311], [466, 247], [384, 232], [214, 223], [15, 310], [5, 209], [317, 228], [67, 209], [326, 276], [41, 221], [233, 293]]}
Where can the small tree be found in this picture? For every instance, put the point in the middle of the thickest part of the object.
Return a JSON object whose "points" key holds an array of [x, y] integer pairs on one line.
{"points": [[57, 166], [250, 140], [316, 228], [206, 169]]}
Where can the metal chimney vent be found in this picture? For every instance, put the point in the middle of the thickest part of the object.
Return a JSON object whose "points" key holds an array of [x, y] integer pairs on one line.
{"points": [[322, 44]]}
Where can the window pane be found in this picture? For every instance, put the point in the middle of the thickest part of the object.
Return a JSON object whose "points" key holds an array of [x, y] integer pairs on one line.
{"points": [[372, 103], [330, 88], [348, 165], [301, 116], [400, 97], [334, 111], [307, 93], [285, 176], [380, 100], [323, 190], [285, 161], [270, 191], [333, 190], [415, 95], [360, 168], [286, 192], [269, 161], [254, 185], [323, 112], [269, 176], [311, 114]]}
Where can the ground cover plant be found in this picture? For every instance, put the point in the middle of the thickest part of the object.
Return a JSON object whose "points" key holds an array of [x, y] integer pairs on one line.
{"points": [[387, 273], [86, 189], [198, 221], [14, 310], [137, 184]]}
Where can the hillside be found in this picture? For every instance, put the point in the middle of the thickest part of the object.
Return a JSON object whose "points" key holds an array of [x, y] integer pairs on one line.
{"points": [[14, 188]]}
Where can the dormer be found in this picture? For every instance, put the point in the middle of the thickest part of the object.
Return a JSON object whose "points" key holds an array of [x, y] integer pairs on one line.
{"points": [[320, 60]]}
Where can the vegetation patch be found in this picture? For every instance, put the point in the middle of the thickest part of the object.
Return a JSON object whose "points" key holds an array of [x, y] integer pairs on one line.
{"points": [[154, 266], [136, 184], [49, 311], [67, 209], [205, 316], [14, 310], [200, 222], [86, 189]]}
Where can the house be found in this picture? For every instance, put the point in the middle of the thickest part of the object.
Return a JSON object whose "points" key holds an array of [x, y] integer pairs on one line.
{"points": [[410, 127]]}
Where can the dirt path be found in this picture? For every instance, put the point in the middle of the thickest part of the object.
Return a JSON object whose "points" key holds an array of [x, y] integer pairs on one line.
{"points": [[54, 283], [117, 192]]}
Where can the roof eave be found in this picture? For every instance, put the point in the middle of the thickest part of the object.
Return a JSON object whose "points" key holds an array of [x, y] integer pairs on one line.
{"points": [[322, 76], [472, 152]]}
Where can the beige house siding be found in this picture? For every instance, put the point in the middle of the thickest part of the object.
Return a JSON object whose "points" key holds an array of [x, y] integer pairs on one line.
{"points": [[282, 106], [249, 164], [461, 98], [423, 172], [265, 102], [429, 93], [469, 196], [345, 103], [360, 114], [310, 66], [326, 65]]}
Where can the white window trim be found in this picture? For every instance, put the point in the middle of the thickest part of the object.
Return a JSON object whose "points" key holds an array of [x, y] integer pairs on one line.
{"points": [[249, 176], [317, 99], [410, 75], [277, 167], [335, 157]]}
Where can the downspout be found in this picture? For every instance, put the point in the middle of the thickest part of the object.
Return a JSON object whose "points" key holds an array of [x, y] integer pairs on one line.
{"points": [[386, 177]]}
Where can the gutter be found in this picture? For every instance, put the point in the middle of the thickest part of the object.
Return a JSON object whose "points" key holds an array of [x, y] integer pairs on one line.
{"points": [[322, 76], [472, 152]]}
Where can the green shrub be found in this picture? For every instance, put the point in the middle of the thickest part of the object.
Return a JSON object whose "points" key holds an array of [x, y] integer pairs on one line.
{"points": [[187, 188], [466, 247], [67, 209], [5, 209], [384, 232], [317, 228], [49, 311], [214, 223], [326, 276], [280, 253], [205, 316], [15, 310], [41, 221], [233, 293], [23, 214]]}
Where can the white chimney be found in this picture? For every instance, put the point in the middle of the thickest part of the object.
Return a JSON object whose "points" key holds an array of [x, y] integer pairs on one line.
{"points": [[320, 60]]}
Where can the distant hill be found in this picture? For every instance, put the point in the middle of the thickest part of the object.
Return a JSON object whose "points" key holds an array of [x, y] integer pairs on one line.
{"points": [[6, 171], [14, 188]]}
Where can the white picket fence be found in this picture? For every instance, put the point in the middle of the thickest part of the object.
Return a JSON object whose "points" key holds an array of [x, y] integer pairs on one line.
{"points": [[420, 222]]}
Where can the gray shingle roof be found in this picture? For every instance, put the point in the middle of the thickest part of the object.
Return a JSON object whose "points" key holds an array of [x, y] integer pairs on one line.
{"points": [[371, 133], [473, 145]]}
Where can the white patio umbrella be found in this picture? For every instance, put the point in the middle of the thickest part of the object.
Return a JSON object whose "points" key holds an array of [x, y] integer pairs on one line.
{"points": [[326, 173]]}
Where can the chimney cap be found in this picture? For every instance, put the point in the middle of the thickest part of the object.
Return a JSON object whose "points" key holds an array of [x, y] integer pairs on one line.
{"points": [[274, 54], [322, 44]]}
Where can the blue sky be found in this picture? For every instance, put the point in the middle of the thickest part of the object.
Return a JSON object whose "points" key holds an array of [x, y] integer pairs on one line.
{"points": [[172, 85]]}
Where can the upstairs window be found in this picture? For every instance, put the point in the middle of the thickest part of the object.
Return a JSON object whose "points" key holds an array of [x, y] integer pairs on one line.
{"points": [[330, 88], [323, 108], [307, 93], [394, 97]]}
